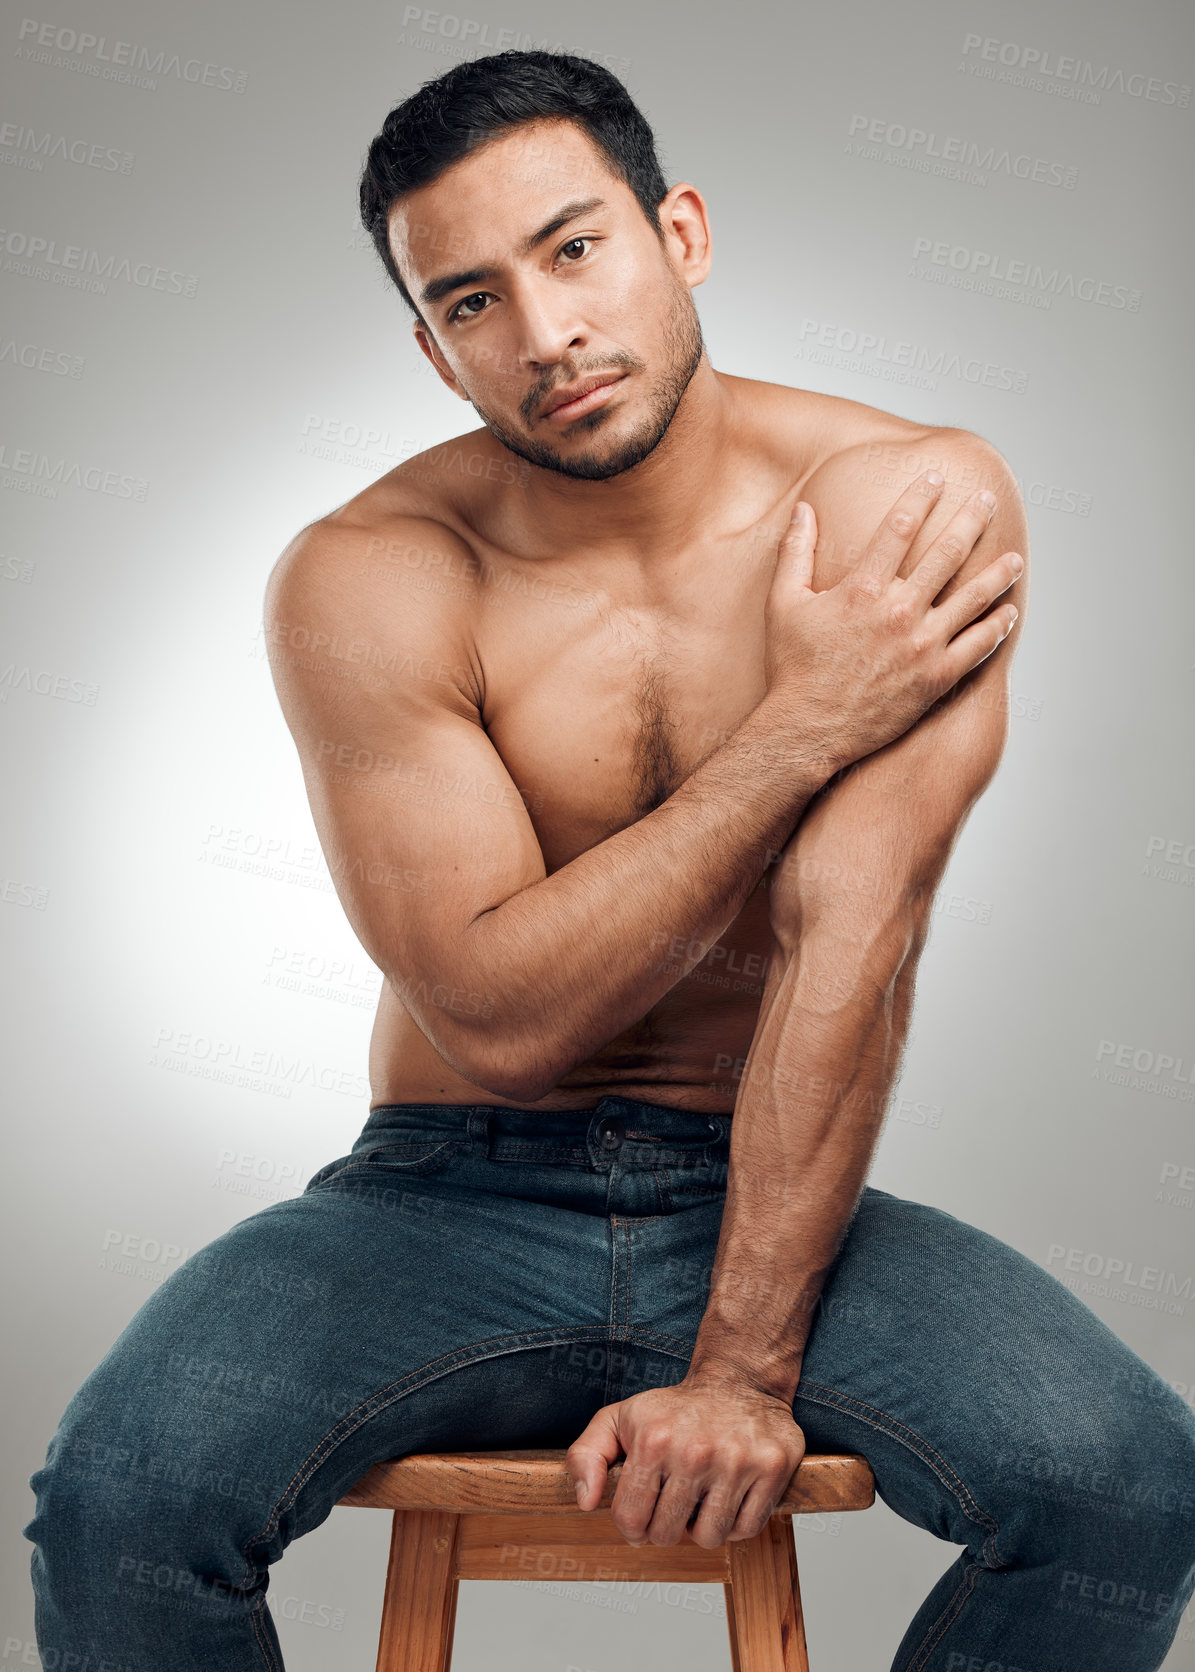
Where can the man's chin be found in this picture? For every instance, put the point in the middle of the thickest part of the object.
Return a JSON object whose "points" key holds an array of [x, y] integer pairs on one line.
{"points": [[597, 462]]}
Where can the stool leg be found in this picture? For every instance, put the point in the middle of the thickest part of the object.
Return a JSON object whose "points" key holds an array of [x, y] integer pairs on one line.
{"points": [[735, 1664], [764, 1602], [419, 1608]]}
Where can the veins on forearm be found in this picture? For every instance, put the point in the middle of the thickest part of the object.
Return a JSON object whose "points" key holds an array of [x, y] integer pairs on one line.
{"points": [[797, 1170]]}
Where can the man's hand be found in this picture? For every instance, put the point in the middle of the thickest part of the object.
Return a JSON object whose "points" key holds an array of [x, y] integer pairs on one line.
{"points": [[862, 660], [717, 1450]]}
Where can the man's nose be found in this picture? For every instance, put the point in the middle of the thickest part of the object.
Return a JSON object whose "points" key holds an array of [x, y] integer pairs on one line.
{"points": [[547, 326]]}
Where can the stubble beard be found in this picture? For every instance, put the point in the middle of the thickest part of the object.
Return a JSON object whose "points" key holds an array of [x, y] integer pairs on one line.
{"points": [[683, 349]]}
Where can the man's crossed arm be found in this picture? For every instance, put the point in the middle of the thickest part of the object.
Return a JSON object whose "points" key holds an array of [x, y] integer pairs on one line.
{"points": [[850, 902]]}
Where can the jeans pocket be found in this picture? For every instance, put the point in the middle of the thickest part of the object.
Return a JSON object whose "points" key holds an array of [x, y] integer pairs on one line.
{"points": [[411, 1158]]}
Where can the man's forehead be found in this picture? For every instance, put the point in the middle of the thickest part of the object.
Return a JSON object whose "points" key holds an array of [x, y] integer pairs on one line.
{"points": [[489, 201]]}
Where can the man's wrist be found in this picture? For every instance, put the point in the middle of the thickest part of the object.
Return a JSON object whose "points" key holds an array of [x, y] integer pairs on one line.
{"points": [[812, 756], [762, 1349], [719, 1374]]}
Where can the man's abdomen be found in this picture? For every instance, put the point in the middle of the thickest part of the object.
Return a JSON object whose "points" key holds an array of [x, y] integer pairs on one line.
{"points": [[687, 1052]]}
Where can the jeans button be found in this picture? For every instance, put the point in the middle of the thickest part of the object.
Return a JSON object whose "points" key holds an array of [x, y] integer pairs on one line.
{"points": [[610, 1131]]}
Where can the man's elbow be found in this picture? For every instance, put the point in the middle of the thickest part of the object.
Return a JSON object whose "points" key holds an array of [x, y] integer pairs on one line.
{"points": [[511, 1081], [489, 1053], [480, 1025]]}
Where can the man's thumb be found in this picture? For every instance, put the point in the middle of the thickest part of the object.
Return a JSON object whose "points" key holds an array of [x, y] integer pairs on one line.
{"points": [[794, 567], [590, 1455]]}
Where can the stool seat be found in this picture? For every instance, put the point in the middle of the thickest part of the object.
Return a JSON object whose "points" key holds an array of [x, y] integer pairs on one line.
{"points": [[514, 1515]]}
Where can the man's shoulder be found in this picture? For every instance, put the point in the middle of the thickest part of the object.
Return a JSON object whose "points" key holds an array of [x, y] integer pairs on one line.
{"points": [[873, 467], [404, 535], [856, 483], [851, 462], [848, 453], [389, 573]]}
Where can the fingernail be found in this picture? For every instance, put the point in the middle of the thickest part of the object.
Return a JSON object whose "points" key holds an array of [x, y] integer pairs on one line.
{"points": [[801, 515], [934, 478], [580, 1490]]}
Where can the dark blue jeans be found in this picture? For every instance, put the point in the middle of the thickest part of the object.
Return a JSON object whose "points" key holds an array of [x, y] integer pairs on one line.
{"points": [[474, 1276]]}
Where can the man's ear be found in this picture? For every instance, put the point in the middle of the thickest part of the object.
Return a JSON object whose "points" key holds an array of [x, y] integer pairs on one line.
{"points": [[426, 343], [685, 221]]}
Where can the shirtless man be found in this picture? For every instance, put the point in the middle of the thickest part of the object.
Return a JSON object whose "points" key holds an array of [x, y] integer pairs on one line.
{"points": [[638, 788]]}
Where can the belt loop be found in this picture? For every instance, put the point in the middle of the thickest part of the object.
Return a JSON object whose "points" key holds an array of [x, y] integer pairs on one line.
{"points": [[480, 1122]]}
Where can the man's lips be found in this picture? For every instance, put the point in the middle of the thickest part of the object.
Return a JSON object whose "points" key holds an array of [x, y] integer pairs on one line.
{"points": [[579, 398]]}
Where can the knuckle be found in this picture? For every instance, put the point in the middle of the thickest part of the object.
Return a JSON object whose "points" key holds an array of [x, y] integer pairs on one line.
{"points": [[901, 614], [920, 644], [975, 595], [901, 523], [952, 546], [863, 584]]}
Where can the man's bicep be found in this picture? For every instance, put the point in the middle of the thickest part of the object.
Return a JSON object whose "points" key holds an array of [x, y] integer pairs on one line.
{"points": [[419, 820]]}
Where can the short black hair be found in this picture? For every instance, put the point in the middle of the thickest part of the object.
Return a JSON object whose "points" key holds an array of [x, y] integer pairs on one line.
{"points": [[482, 98]]}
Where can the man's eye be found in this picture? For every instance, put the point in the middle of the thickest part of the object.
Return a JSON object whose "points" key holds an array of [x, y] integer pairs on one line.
{"points": [[462, 310], [477, 296]]}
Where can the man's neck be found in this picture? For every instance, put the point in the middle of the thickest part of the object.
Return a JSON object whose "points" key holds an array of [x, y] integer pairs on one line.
{"points": [[656, 509]]}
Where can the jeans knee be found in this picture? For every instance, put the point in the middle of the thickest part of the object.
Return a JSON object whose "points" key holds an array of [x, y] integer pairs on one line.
{"points": [[1115, 1481], [85, 1492], [1159, 1467], [1136, 1504]]}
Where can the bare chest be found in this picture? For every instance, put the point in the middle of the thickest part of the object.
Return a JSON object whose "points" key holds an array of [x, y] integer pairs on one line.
{"points": [[603, 694]]}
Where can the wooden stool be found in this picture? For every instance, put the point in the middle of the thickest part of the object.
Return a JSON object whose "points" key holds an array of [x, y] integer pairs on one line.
{"points": [[475, 1515]]}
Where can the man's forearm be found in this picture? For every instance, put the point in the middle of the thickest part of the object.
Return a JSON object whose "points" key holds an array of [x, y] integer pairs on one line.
{"points": [[575, 959], [815, 1086]]}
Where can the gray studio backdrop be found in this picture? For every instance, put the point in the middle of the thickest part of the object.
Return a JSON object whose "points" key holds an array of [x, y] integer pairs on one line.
{"points": [[965, 213]]}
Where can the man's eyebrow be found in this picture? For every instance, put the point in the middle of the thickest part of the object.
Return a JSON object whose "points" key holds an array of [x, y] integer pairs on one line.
{"points": [[436, 289]]}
